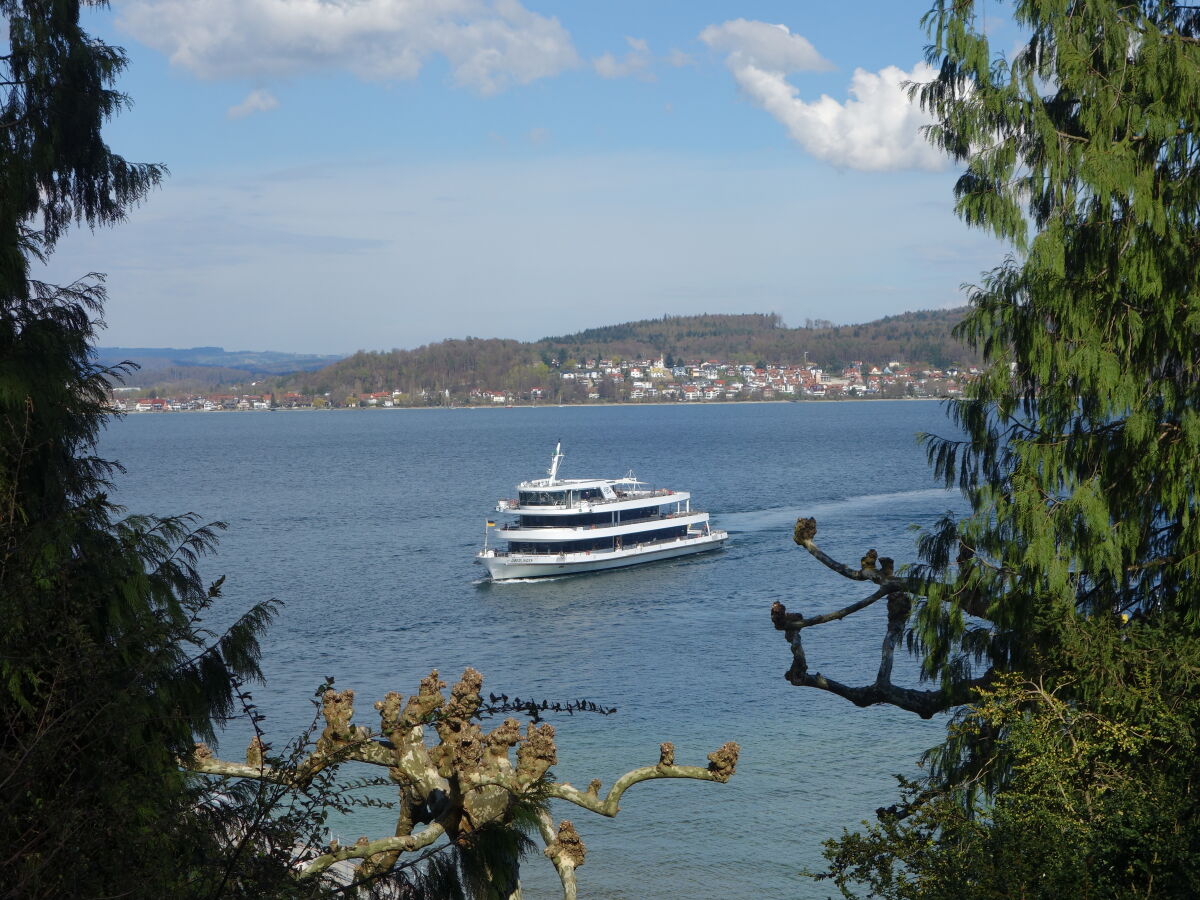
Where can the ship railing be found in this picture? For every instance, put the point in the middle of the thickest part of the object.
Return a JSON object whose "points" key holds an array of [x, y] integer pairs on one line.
{"points": [[514, 504]]}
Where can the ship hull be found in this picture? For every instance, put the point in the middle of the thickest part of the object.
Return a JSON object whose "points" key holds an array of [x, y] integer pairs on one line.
{"points": [[505, 567]]}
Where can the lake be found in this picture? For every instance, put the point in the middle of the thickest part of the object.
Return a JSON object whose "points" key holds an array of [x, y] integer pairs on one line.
{"points": [[364, 523]]}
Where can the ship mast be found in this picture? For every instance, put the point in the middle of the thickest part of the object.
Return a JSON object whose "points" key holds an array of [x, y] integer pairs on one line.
{"points": [[554, 461]]}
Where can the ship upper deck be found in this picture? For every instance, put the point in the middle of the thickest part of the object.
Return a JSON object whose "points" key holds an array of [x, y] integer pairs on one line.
{"points": [[565, 496], [585, 495]]}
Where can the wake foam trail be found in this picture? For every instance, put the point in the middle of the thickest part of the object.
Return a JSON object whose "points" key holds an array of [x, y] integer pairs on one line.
{"points": [[778, 517], [539, 580]]}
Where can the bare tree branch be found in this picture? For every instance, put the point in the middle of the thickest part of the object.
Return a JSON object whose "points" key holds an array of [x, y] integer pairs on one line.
{"points": [[364, 849], [782, 619], [898, 591], [463, 782], [872, 567], [564, 849], [721, 764]]}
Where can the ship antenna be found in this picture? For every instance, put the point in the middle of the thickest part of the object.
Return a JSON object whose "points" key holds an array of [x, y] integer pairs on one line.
{"points": [[555, 460]]}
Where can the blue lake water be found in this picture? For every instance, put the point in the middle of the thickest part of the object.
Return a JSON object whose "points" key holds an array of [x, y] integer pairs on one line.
{"points": [[364, 523]]}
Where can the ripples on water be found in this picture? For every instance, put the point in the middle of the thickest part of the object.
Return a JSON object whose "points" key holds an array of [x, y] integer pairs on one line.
{"points": [[365, 523]]}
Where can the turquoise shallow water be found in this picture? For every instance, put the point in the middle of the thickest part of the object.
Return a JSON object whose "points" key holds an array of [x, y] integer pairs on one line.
{"points": [[364, 524]]}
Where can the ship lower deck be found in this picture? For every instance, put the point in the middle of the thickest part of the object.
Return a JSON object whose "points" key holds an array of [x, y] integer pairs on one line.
{"points": [[503, 565]]}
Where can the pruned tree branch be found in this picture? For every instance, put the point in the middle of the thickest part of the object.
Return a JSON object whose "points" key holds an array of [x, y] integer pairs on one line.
{"points": [[721, 765], [463, 781], [872, 567], [898, 591], [781, 618], [564, 849], [366, 850]]}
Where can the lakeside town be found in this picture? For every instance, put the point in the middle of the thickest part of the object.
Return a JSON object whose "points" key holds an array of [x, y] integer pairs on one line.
{"points": [[605, 381]]}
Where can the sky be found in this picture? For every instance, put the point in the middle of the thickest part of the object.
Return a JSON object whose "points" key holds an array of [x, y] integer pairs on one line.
{"points": [[372, 174]]}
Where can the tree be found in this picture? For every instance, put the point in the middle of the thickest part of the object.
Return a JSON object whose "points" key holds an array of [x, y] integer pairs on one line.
{"points": [[1097, 801], [1081, 454], [105, 673], [464, 789]]}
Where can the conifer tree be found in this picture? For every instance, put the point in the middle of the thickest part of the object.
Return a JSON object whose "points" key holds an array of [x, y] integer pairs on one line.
{"points": [[1076, 571], [1082, 455], [105, 674]]}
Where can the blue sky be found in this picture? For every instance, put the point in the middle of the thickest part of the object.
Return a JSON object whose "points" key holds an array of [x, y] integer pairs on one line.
{"points": [[369, 174]]}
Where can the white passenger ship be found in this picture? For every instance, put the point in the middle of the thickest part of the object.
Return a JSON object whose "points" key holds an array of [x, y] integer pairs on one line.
{"points": [[574, 525]]}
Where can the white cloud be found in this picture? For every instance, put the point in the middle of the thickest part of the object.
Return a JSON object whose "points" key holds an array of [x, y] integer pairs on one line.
{"points": [[490, 44], [876, 129], [679, 59], [635, 62], [770, 47], [256, 101]]}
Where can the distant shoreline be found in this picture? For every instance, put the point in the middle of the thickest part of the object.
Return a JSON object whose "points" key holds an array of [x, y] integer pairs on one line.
{"points": [[688, 403]]}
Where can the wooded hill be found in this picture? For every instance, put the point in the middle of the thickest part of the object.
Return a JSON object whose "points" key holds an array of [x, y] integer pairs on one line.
{"points": [[922, 337], [461, 365]]}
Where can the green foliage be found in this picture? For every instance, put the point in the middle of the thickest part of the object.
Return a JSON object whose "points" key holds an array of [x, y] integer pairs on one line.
{"points": [[1078, 565], [1098, 800], [1083, 434], [55, 93], [105, 673]]}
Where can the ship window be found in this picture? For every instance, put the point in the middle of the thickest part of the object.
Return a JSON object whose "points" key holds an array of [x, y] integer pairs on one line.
{"points": [[644, 512], [542, 498], [583, 519], [556, 547], [593, 544], [583, 494]]}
